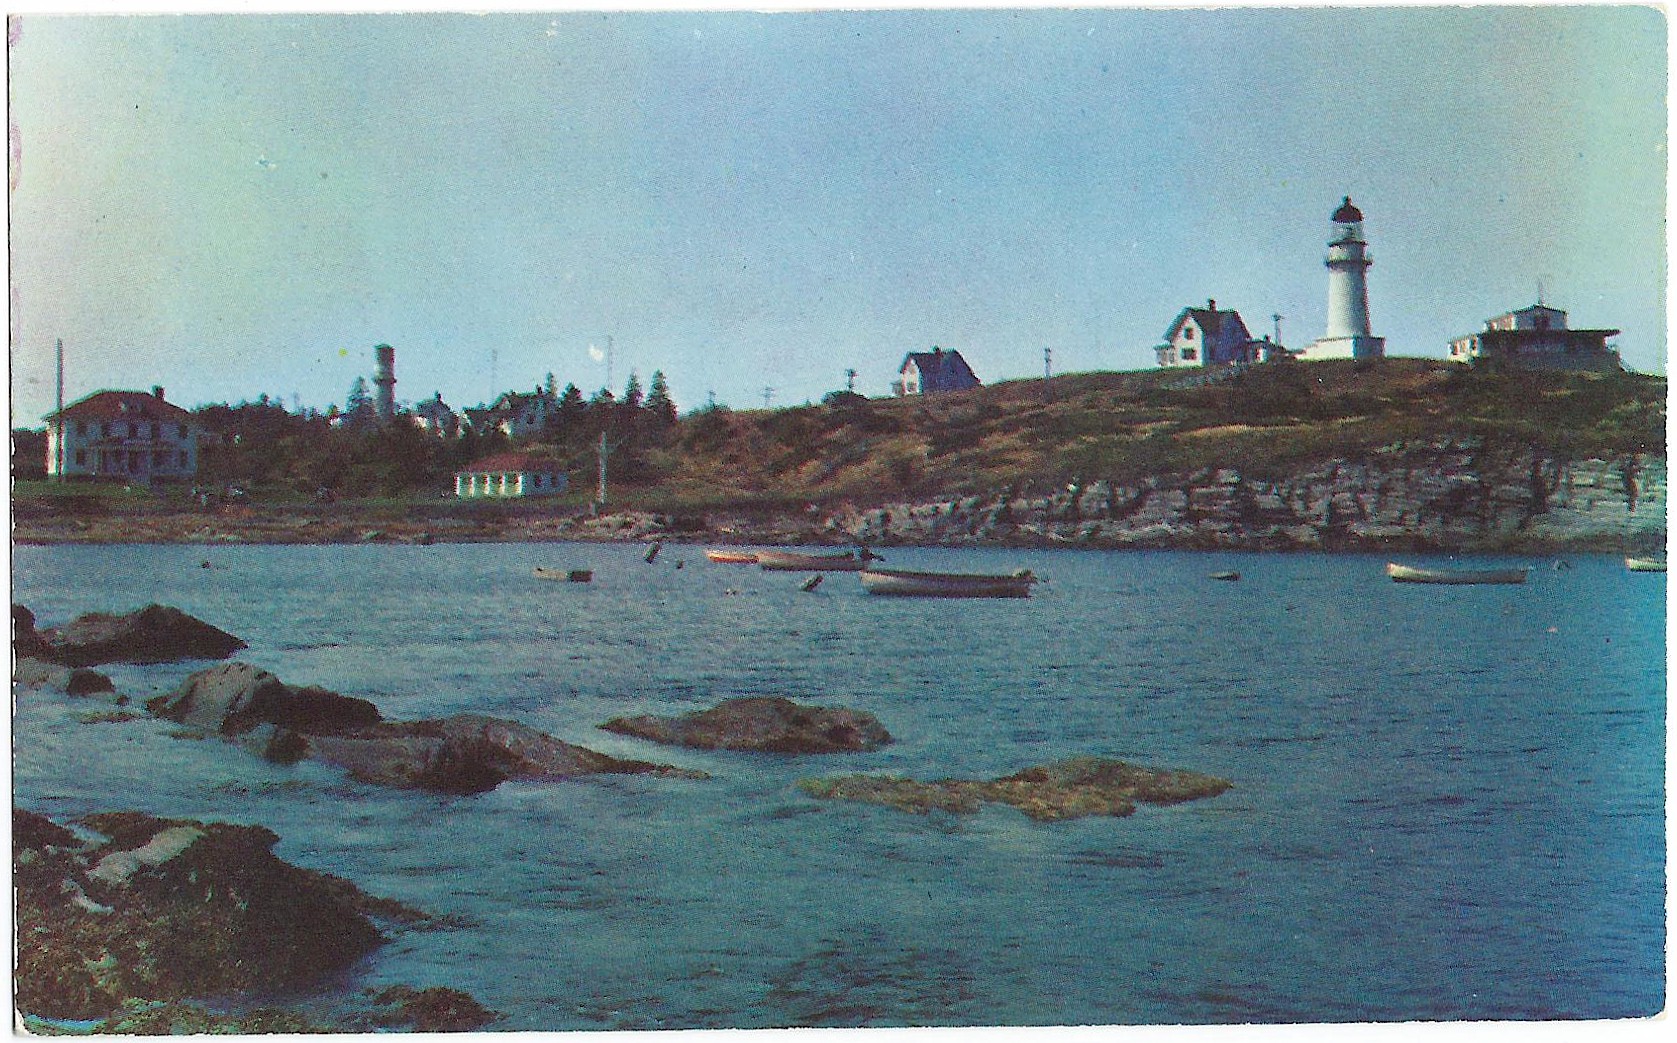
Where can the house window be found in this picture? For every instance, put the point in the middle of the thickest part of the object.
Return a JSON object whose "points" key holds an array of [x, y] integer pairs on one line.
{"points": [[81, 428], [81, 457], [157, 458], [1189, 354], [183, 430], [1187, 333]]}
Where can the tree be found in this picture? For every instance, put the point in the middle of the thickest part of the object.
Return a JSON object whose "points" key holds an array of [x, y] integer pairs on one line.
{"points": [[551, 386], [660, 408], [632, 394], [360, 401]]}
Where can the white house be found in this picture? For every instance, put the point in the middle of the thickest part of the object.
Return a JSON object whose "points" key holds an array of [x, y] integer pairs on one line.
{"points": [[434, 417], [516, 414], [125, 435], [1537, 338], [932, 372], [510, 474], [1205, 336]]}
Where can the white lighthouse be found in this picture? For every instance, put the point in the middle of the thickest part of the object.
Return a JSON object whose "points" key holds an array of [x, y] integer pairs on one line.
{"points": [[1347, 336]]}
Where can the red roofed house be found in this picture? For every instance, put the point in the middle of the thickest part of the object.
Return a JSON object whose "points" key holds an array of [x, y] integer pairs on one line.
{"points": [[510, 474], [127, 435]]}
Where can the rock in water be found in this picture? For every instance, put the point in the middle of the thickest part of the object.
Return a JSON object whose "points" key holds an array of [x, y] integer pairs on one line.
{"points": [[154, 634], [764, 724], [71, 680], [234, 698], [1064, 789], [466, 753], [170, 909]]}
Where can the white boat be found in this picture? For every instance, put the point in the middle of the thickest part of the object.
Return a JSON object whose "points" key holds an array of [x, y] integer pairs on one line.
{"points": [[1406, 574], [792, 561], [1645, 564], [732, 557], [903, 583]]}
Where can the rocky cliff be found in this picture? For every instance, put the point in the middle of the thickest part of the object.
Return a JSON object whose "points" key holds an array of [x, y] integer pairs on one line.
{"points": [[1446, 494]]}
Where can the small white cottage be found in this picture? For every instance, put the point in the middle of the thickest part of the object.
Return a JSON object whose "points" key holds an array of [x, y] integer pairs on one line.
{"points": [[510, 474]]}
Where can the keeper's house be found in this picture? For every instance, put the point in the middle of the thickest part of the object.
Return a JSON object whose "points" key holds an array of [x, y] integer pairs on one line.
{"points": [[123, 435], [1537, 338], [508, 475]]}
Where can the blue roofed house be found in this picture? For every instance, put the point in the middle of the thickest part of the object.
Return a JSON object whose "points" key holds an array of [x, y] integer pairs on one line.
{"points": [[933, 372]]}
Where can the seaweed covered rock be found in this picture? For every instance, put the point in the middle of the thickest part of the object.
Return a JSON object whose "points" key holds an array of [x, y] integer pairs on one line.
{"points": [[437, 1009], [164, 910], [766, 724], [1064, 789], [234, 698], [71, 680], [154, 634]]}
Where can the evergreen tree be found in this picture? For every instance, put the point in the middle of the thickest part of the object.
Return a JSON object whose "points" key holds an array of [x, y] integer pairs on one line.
{"points": [[551, 386], [632, 394], [360, 399], [659, 407]]}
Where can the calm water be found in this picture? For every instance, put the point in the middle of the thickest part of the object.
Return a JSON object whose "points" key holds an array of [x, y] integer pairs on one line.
{"points": [[1448, 801]]}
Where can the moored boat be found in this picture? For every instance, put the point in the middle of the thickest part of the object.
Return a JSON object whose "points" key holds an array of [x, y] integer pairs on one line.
{"points": [[904, 583], [565, 575], [792, 561], [732, 557], [1645, 564], [1408, 574]]}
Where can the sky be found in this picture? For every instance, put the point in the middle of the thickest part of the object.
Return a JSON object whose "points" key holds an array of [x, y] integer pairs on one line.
{"points": [[230, 206]]}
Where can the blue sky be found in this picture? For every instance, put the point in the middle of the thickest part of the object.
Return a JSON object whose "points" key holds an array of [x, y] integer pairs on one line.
{"points": [[236, 205]]}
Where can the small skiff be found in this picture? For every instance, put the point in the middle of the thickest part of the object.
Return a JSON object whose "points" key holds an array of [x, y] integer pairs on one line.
{"points": [[903, 583], [732, 557], [791, 561], [1406, 574], [565, 575], [1645, 564]]}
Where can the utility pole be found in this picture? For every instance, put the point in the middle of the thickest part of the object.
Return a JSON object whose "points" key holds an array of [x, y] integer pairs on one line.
{"points": [[600, 493], [768, 393], [1278, 317], [58, 418], [710, 399], [1047, 374], [608, 365]]}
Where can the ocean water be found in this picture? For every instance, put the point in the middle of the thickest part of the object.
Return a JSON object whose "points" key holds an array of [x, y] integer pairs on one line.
{"points": [[1448, 801]]}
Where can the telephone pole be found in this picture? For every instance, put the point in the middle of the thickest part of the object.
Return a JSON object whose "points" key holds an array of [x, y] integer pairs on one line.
{"points": [[768, 393]]}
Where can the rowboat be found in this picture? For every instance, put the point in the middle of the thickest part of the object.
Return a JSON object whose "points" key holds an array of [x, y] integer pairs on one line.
{"points": [[791, 561], [565, 575], [1227, 577], [1406, 574], [903, 583], [1645, 564], [732, 557]]}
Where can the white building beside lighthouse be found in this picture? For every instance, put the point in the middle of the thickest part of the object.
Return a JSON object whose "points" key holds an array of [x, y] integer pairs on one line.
{"points": [[1347, 335]]}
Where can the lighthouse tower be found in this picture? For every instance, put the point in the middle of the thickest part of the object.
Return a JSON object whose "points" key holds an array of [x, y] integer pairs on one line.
{"points": [[1347, 335], [384, 379]]}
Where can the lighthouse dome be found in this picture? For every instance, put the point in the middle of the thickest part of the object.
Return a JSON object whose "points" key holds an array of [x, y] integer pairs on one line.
{"points": [[1347, 214]]}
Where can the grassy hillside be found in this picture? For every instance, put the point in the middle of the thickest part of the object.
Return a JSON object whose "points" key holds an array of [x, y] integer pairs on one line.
{"points": [[1032, 434]]}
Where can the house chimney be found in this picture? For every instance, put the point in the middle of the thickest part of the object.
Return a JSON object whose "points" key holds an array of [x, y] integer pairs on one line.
{"points": [[1211, 304], [937, 350], [157, 392]]}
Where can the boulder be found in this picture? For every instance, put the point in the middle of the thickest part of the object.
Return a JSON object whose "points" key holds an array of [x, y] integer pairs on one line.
{"points": [[765, 724], [154, 634], [1064, 789], [437, 1009], [235, 698], [168, 909], [466, 753], [72, 680], [26, 643]]}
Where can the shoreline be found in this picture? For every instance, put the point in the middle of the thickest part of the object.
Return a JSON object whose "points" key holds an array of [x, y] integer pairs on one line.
{"points": [[257, 527]]}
